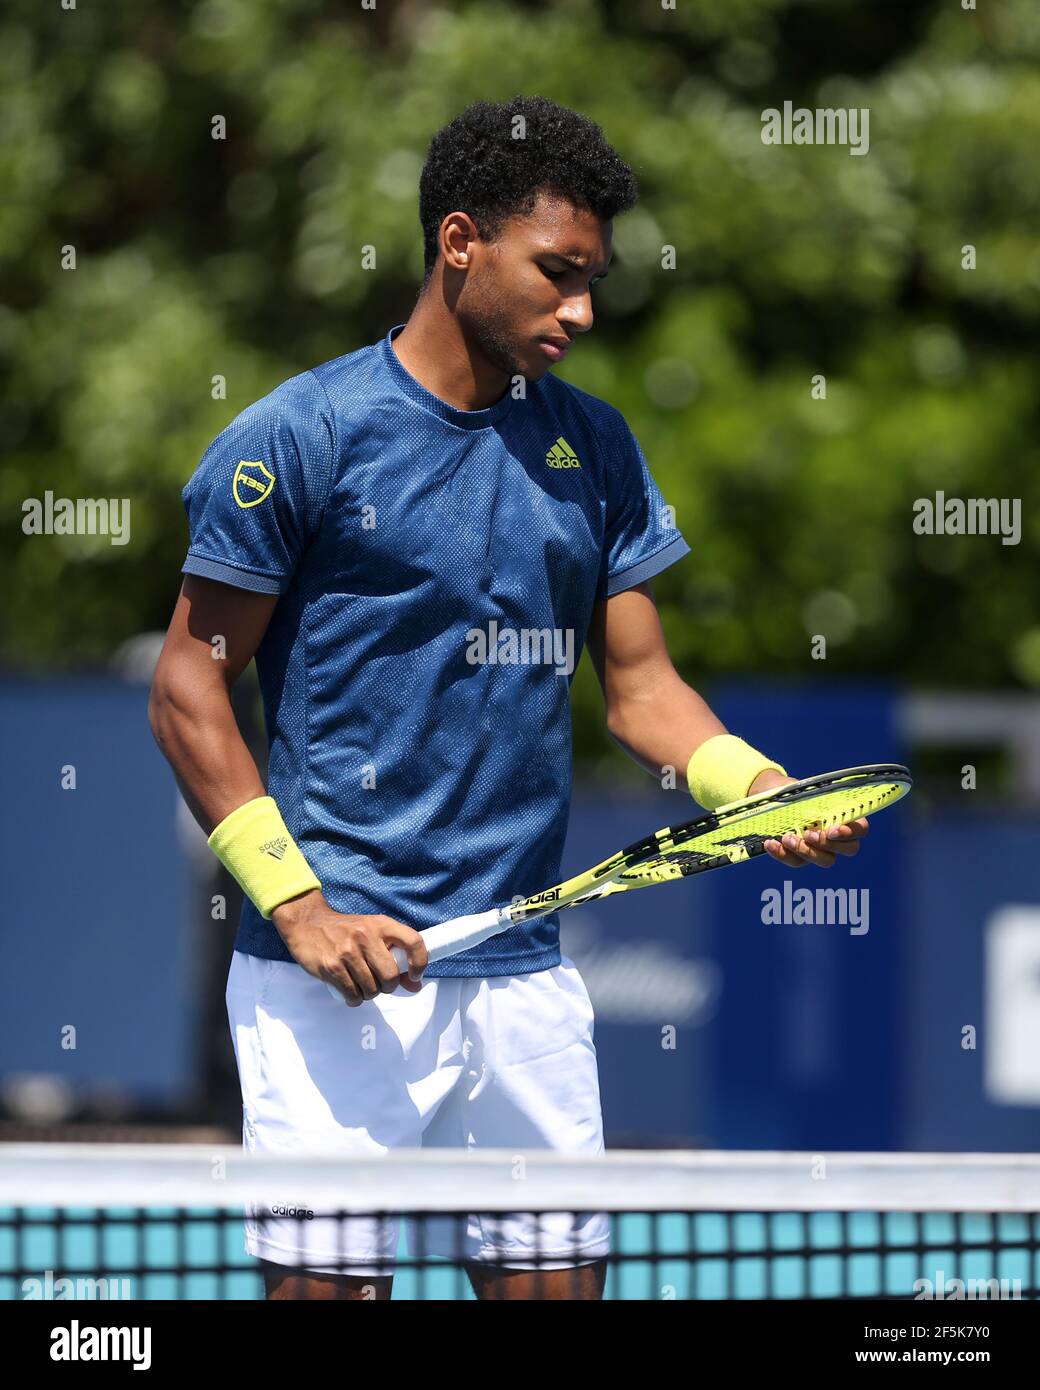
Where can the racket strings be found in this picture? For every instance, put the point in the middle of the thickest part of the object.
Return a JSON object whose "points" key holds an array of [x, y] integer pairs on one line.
{"points": [[771, 823], [728, 837]]}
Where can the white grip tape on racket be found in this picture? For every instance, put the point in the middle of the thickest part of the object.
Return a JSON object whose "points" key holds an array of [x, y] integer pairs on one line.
{"points": [[448, 938]]}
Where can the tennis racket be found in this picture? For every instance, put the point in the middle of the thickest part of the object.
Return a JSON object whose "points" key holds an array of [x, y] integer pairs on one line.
{"points": [[731, 834]]}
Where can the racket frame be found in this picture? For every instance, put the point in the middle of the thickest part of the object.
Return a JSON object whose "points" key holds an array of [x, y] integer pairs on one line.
{"points": [[603, 879]]}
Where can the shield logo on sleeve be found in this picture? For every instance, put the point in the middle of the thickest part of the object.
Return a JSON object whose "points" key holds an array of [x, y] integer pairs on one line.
{"points": [[252, 483]]}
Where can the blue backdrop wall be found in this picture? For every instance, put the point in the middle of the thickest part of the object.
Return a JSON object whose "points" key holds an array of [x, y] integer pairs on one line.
{"points": [[713, 1026]]}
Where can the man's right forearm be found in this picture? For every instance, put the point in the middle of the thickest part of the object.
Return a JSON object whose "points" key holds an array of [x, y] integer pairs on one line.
{"points": [[198, 735], [220, 783], [194, 725]]}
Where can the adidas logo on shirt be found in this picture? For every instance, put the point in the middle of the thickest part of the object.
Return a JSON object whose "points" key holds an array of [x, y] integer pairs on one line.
{"points": [[561, 455]]}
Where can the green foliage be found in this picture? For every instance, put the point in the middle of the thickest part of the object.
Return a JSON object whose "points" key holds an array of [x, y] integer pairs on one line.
{"points": [[240, 259]]}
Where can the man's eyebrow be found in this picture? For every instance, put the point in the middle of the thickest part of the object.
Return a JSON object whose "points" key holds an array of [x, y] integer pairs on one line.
{"points": [[575, 263]]}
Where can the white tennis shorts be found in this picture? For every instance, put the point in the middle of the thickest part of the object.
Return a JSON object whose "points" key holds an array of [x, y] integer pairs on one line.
{"points": [[502, 1063]]}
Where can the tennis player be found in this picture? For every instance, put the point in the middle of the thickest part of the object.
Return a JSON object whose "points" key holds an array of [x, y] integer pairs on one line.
{"points": [[416, 541]]}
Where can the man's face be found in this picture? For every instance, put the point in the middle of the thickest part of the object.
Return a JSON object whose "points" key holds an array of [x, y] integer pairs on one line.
{"points": [[526, 295]]}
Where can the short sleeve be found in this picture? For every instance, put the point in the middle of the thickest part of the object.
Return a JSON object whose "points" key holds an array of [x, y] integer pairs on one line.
{"points": [[258, 495], [641, 536]]}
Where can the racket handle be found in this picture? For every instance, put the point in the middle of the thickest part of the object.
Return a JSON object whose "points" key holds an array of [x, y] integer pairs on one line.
{"points": [[460, 934], [448, 938]]}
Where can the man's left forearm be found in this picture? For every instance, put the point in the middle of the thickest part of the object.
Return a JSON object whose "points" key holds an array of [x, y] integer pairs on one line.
{"points": [[660, 728], [659, 720]]}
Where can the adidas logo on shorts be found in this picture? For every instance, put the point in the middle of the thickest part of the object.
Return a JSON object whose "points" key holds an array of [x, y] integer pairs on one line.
{"points": [[301, 1213]]}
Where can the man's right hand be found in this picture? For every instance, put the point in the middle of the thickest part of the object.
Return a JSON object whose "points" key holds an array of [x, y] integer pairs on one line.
{"points": [[350, 951]]}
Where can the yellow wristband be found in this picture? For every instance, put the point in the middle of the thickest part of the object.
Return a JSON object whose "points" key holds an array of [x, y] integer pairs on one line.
{"points": [[256, 848], [722, 770]]}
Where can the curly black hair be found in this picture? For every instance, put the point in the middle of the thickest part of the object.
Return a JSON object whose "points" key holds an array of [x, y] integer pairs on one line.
{"points": [[481, 165]]}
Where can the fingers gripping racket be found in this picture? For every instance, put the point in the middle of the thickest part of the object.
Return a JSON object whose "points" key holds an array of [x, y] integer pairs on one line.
{"points": [[731, 834]]}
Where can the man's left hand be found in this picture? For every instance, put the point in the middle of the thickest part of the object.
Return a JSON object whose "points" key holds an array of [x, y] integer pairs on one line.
{"points": [[819, 847]]}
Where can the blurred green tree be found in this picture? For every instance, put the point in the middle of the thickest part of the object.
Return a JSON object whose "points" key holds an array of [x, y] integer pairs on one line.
{"points": [[207, 270]]}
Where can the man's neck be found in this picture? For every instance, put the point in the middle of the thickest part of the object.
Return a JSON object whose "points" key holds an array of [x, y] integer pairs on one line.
{"points": [[431, 348]]}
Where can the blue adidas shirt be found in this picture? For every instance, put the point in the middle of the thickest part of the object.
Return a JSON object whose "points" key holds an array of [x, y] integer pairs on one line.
{"points": [[437, 570]]}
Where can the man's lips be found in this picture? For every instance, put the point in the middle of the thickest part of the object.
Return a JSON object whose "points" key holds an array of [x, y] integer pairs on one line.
{"points": [[555, 348]]}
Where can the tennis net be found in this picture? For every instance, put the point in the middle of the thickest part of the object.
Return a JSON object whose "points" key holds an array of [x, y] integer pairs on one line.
{"points": [[166, 1221]]}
